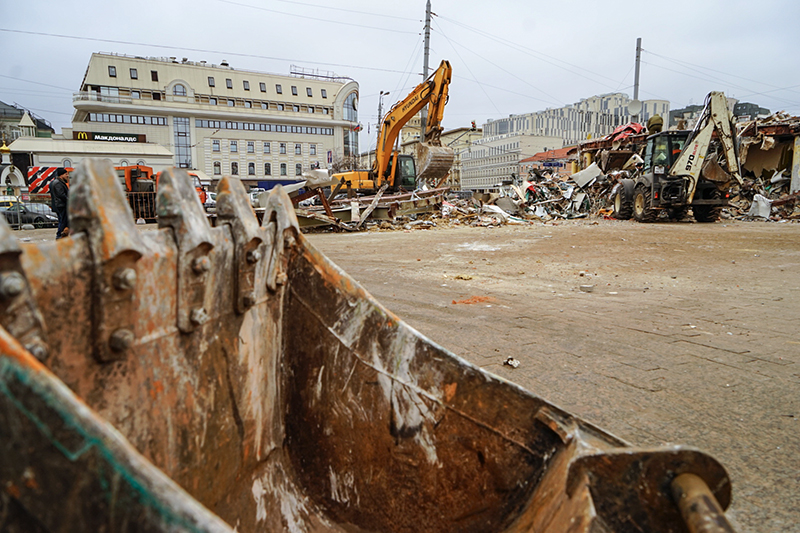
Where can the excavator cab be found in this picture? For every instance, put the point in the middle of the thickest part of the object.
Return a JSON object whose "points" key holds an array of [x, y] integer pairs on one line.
{"points": [[406, 176]]}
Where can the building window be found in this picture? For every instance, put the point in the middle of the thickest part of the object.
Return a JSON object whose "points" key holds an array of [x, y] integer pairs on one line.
{"points": [[183, 148], [298, 169], [266, 148], [251, 147], [179, 90], [211, 82], [310, 109], [248, 104], [153, 75], [296, 108], [134, 74], [156, 96], [68, 164], [246, 85], [324, 93], [112, 71], [278, 88], [298, 149], [283, 148], [324, 110], [135, 95], [217, 168], [283, 169], [215, 145], [229, 83], [235, 168], [267, 169], [263, 87], [231, 102], [308, 92], [264, 105], [312, 149], [212, 101], [294, 90], [234, 146], [280, 107], [251, 169]]}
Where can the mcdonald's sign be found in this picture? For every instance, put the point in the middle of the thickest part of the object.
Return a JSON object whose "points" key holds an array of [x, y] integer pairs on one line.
{"points": [[112, 137]]}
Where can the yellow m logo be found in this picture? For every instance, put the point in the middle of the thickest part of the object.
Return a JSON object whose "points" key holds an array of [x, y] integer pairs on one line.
{"points": [[83, 136]]}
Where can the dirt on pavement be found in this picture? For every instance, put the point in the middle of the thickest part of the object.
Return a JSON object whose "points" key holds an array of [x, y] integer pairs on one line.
{"points": [[676, 333]]}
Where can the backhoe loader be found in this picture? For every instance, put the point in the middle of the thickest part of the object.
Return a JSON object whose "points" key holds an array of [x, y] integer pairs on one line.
{"points": [[398, 171], [674, 177]]}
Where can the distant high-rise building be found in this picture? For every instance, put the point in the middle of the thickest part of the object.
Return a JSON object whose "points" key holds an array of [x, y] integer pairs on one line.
{"points": [[590, 118]]}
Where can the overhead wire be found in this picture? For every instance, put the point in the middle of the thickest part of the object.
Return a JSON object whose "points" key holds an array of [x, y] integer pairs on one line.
{"points": [[200, 50], [553, 99], [536, 54], [307, 17], [468, 69]]}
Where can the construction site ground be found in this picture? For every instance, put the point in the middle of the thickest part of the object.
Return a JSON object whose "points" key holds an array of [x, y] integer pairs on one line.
{"points": [[688, 336]]}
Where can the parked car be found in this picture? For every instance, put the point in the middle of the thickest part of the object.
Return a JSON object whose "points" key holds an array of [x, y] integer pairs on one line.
{"points": [[40, 215], [211, 201]]}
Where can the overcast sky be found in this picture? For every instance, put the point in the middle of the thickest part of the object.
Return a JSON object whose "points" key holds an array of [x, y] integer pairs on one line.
{"points": [[508, 56]]}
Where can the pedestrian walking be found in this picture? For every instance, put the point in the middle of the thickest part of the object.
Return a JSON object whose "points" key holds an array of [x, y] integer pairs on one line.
{"points": [[59, 200]]}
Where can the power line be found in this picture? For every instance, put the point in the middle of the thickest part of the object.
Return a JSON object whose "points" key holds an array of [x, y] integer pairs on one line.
{"points": [[535, 53], [307, 17], [200, 50], [292, 2], [468, 69], [35, 82], [703, 69], [494, 64]]}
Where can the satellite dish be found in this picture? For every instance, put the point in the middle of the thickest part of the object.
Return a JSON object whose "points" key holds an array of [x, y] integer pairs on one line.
{"points": [[635, 107]]}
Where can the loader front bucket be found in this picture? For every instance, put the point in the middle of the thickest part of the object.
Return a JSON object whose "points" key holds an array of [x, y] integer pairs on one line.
{"points": [[201, 378], [433, 163]]}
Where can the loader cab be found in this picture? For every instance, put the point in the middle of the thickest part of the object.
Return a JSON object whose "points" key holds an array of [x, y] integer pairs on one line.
{"points": [[662, 150]]}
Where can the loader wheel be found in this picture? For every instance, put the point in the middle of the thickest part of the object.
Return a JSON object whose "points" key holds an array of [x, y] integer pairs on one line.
{"points": [[708, 213], [623, 205], [642, 210], [678, 213]]}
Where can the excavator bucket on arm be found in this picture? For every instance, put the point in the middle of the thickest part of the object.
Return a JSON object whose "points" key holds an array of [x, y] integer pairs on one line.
{"points": [[232, 378], [433, 163]]}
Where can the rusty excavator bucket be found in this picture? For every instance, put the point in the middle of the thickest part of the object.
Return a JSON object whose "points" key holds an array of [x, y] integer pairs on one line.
{"points": [[232, 378], [433, 163]]}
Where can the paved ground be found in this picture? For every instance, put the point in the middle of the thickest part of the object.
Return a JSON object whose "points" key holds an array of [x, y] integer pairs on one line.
{"points": [[688, 336]]}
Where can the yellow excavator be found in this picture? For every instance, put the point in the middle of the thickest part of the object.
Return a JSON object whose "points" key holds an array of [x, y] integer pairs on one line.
{"points": [[433, 161]]}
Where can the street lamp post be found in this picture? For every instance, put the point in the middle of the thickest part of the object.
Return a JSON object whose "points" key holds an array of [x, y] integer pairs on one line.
{"points": [[380, 117]]}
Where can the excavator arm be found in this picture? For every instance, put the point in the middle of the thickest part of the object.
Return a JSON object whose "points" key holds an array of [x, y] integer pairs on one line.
{"points": [[716, 117], [433, 93]]}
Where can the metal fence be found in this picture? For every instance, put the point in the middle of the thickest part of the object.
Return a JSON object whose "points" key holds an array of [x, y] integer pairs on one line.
{"points": [[22, 209]]}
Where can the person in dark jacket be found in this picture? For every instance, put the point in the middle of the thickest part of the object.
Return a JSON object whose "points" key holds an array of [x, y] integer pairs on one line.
{"points": [[59, 199]]}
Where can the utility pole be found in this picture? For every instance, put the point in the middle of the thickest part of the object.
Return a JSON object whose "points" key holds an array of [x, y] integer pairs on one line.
{"points": [[636, 77], [424, 113]]}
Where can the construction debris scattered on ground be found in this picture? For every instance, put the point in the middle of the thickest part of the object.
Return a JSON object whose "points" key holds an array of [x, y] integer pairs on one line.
{"points": [[769, 150]]}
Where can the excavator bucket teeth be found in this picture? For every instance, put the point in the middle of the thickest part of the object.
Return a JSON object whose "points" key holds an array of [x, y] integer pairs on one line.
{"points": [[231, 378], [433, 163]]}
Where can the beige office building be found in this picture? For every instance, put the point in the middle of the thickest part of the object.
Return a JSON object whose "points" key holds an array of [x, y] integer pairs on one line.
{"points": [[217, 119]]}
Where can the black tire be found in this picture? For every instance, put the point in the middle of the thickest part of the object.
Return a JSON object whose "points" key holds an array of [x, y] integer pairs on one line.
{"points": [[622, 203], [642, 204], [678, 213], [38, 223], [708, 213]]}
